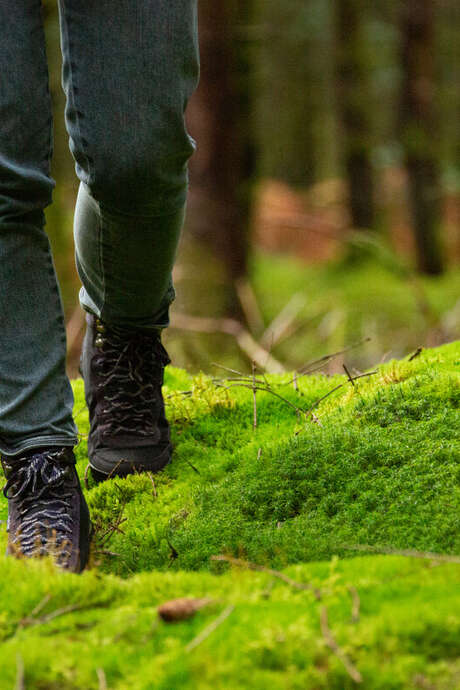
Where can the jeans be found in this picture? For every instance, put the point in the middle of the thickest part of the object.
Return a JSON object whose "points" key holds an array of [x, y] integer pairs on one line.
{"points": [[129, 68]]}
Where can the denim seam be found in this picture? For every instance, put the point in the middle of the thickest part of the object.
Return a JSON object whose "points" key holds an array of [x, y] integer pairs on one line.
{"points": [[50, 145], [62, 329], [101, 263], [73, 101]]}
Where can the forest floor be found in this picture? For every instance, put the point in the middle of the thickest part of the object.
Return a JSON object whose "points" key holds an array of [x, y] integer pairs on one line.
{"points": [[306, 310], [321, 528]]}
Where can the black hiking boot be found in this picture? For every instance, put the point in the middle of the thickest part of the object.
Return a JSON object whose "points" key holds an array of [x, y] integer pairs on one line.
{"points": [[47, 512], [123, 374]]}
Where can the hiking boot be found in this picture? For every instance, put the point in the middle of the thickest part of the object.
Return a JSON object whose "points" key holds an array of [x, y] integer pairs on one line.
{"points": [[47, 512], [123, 373]]}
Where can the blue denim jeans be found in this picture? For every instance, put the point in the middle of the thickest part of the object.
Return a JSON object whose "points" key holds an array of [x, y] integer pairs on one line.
{"points": [[129, 68]]}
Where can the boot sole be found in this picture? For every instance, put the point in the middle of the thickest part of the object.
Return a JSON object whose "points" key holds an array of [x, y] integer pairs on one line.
{"points": [[102, 470]]}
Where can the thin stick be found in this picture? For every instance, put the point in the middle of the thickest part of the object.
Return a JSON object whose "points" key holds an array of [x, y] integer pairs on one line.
{"points": [[115, 527], [28, 622], [114, 469], [153, 484], [283, 321], [259, 453], [233, 371], [350, 378], [195, 469], [316, 419], [356, 603], [334, 647], [41, 605], [267, 390], [101, 678], [274, 573], [325, 358], [415, 354], [249, 304], [244, 339], [336, 388], [20, 675], [209, 629]]}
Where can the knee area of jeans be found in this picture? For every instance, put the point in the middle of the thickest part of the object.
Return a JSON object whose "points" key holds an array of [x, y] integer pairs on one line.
{"points": [[117, 204], [141, 182]]}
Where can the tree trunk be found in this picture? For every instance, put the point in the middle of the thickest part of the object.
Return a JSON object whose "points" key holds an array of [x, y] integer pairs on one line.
{"points": [[219, 199], [418, 130], [354, 111], [287, 93]]}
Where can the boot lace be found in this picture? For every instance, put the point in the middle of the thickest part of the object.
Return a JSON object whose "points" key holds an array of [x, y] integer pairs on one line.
{"points": [[37, 484], [130, 368]]}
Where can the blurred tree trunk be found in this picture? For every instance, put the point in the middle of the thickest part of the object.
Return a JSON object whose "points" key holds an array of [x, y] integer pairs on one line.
{"points": [[419, 129], [286, 94], [220, 170], [293, 91], [354, 106]]}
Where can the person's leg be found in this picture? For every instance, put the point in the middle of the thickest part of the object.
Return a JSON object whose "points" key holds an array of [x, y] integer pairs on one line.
{"points": [[35, 395], [129, 70], [47, 513]]}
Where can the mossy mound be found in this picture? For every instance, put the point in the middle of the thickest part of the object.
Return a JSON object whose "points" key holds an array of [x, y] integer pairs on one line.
{"points": [[405, 631], [376, 467], [378, 464]]}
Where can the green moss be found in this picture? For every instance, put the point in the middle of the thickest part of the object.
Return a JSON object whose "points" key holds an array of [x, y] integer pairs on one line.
{"points": [[408, 628], [378, 466]]}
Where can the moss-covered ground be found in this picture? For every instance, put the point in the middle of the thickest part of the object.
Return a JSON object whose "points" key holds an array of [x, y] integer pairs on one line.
{"points": [[376, 467]]}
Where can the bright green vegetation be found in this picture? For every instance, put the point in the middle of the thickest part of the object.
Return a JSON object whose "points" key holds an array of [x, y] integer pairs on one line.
{"points": [[407, 636], [378, 299], [335, 305], [378, 466]]}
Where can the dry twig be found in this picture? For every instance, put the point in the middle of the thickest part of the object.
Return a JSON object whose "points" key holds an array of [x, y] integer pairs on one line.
{"points": [[249, 305], [244, 339], [101, 678], [415, 354], [356, 603], [41, 605], [334, 647], [336, 388], [317, 364], [20, 674], [282, 324], [114, 527], [274, 573], [350, 378], [150, 476], [209, 629], [31, 621]]}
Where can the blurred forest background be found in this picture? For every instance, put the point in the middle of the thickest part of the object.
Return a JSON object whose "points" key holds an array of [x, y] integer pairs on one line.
{"points": [[324, 205]]}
